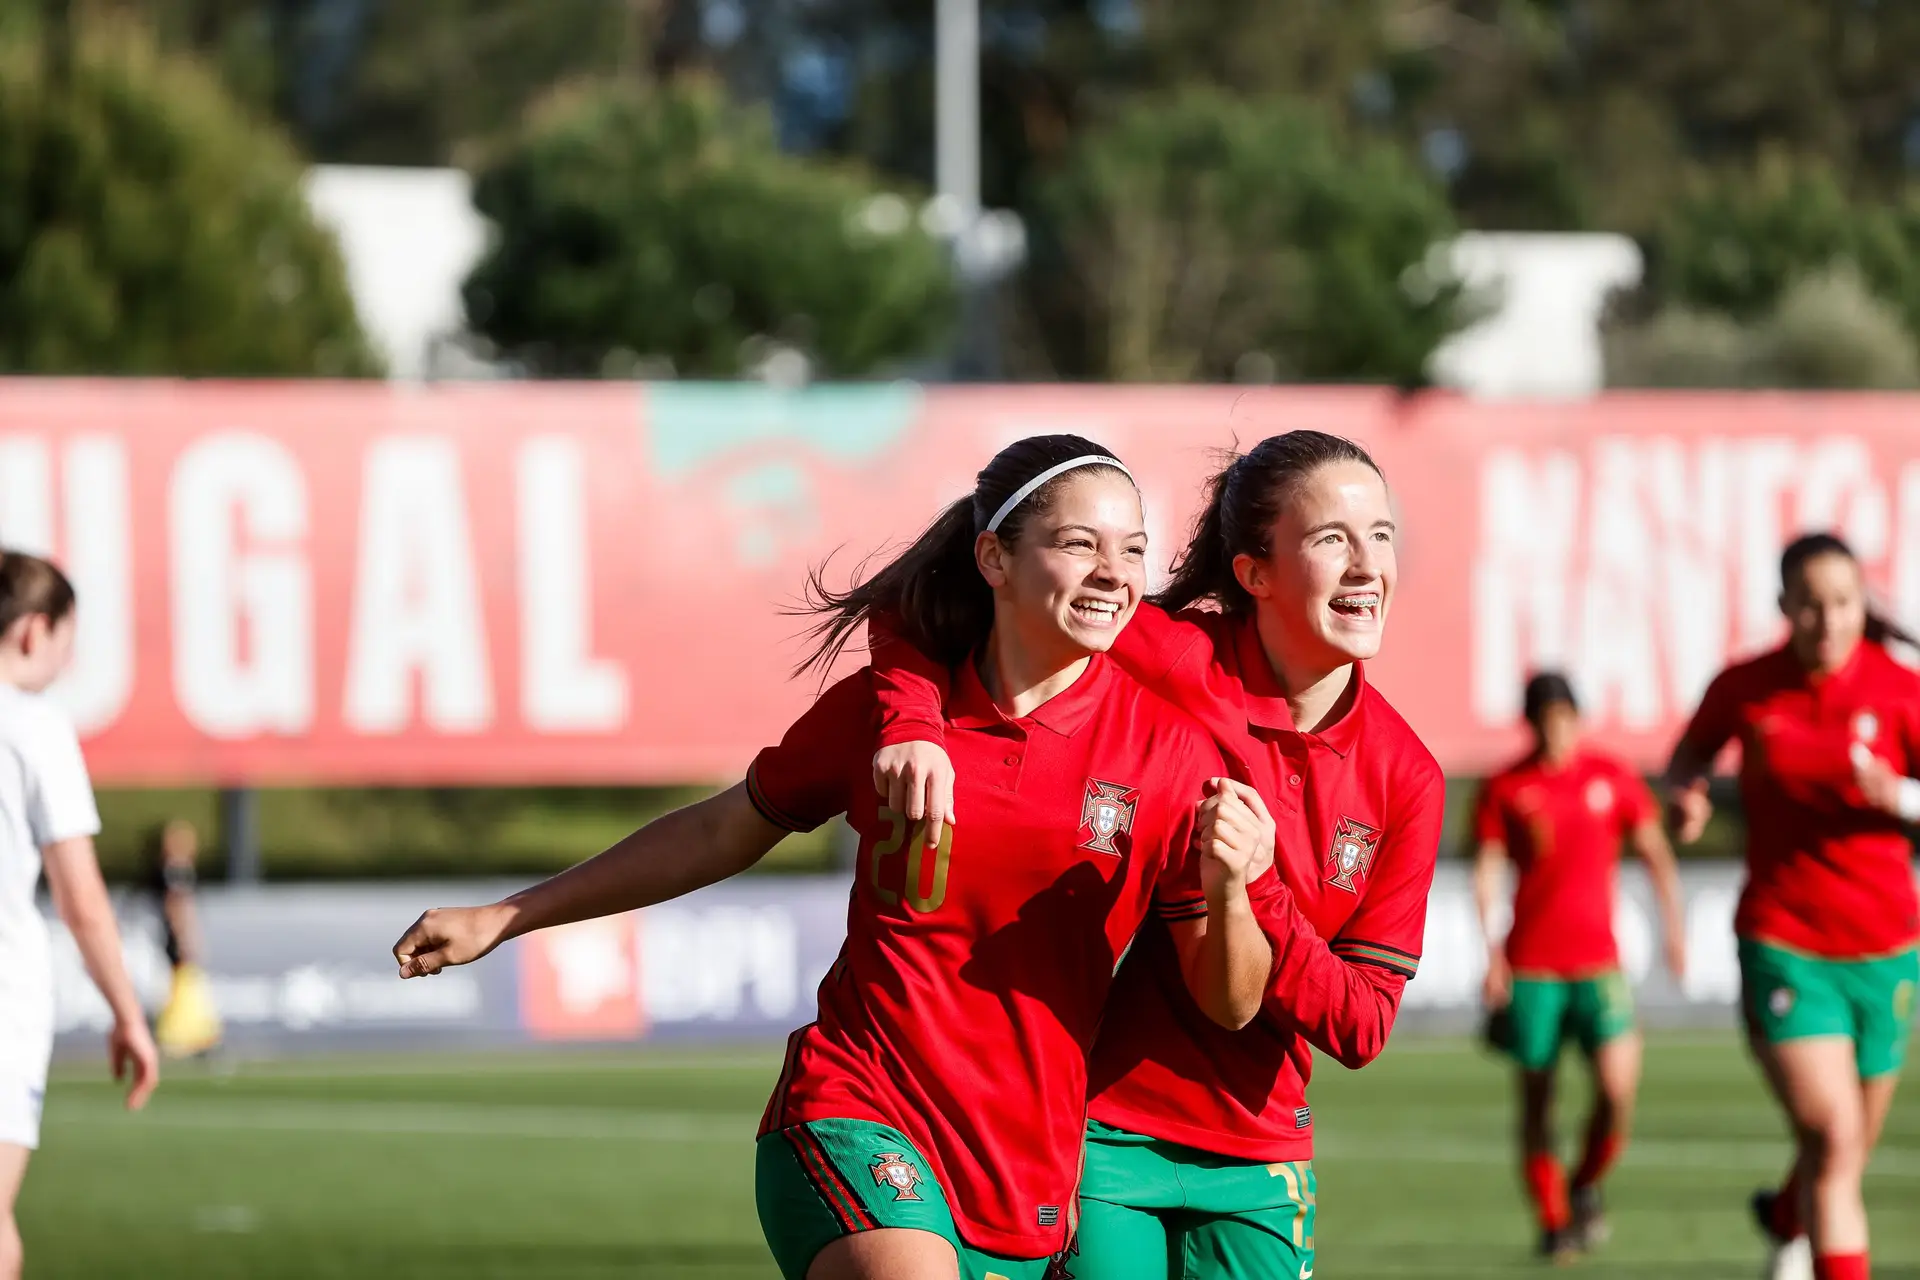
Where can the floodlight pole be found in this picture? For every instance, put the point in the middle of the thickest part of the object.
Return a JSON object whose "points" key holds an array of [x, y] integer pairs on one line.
{"points": [[956, 88], [956, 175]]}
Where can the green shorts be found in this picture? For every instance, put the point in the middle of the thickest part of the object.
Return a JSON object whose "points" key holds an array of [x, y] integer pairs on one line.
{"points": [[1791, 996], [819, 1181], [1546, 1012], [1155, 1210]]}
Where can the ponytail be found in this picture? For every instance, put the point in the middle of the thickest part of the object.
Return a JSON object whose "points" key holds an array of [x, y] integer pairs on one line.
{"points": [[1204, 569], [1884, 631], [937, 598], [932, 592]]}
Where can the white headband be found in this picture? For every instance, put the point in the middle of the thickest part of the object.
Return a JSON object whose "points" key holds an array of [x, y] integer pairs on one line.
{"points": [[1025, 491]]}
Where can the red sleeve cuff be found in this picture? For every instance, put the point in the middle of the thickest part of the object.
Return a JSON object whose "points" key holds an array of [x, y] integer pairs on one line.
{"points": [[899, 731]]}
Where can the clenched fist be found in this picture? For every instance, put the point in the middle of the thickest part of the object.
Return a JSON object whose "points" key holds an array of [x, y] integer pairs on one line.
{"points": [[1234, 836]]}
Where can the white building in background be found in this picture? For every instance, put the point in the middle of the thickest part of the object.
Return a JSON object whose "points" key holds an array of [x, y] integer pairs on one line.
{"points": [[1542, 340], [409, 237]]}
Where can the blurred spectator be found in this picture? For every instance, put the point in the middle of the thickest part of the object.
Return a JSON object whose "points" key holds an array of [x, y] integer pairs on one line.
{"points": [[188, 1024]]}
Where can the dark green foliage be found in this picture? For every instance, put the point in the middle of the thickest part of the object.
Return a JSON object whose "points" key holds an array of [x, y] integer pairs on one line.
{"points": [[148, 227], [1220, 238], [635, 225], [1735, 242]]}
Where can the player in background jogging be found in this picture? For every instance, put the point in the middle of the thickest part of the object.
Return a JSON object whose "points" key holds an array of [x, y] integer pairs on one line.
{"points": [[929, 1123], [1200, 1141], [1558, 815], [1829, 733], [47, 822]]}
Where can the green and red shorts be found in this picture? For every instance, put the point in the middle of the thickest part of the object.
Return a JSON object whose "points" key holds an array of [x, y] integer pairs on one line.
{"points": [[824, 1179]]}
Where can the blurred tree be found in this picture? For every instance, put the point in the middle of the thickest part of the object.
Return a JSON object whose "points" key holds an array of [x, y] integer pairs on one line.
{"points": [[1590, 113], [432, 75], [147, 226], [1218, 238], [637, 225], [1734, 241], [1827, 332]]}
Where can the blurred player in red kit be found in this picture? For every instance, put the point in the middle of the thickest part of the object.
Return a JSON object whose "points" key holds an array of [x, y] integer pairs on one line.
{"points": [[1200, 1140], [928, 1125], [1829, 733], [1558, 816]]}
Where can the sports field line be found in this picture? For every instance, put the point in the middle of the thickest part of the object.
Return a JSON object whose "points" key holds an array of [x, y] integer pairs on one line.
{"points": [[748, 1057], [635, 1125], [756, 1058], [408, 1118]]}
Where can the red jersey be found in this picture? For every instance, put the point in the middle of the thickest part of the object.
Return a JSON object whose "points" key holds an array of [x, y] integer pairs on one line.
{"points": [[966, 999], [1826, 873], [1358, 809], [1562, 827]]}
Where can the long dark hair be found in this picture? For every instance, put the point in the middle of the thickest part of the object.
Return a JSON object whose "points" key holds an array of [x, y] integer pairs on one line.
{"points": [[1880, 629], [932, 591], [30, 585], [1243, 501]]}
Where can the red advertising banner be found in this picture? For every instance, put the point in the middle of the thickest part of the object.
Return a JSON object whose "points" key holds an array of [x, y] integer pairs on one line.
{"points": [[534, 582]]}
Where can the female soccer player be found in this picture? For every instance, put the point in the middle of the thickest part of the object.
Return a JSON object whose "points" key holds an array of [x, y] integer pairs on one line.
{"points": [[1559, 814], [1200, 1141], [935, 1109], [47, 821], [1829, 732]]}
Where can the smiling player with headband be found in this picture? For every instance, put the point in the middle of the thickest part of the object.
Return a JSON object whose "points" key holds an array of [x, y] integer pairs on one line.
{"points": [[1200, 1141]]}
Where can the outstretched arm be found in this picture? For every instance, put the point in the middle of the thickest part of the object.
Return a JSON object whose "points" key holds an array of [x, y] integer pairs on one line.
{"points": [[673, 855]]}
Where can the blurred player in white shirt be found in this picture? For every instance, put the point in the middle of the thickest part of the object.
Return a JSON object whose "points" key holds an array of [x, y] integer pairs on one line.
{"points": [[47, 818]]}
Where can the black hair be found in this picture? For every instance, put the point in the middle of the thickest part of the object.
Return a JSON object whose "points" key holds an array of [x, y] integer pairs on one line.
{"points": [[933, 591], [1544, 690], [1880, 629], [1243, 501], [29, 585]]}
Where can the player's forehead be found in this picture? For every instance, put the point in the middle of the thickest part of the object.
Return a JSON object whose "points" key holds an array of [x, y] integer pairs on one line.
{"points": [[1101, 502], [1827, 576]]}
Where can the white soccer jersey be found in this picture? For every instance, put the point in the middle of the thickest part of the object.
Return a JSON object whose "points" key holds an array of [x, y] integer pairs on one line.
{"points": [[45, 796]]}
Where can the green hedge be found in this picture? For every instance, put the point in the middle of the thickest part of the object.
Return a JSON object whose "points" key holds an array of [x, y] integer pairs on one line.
{"points": [[395, 832]]}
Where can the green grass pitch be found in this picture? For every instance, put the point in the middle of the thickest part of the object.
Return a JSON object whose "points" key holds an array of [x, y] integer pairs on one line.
{"points": [[640, 1164]]}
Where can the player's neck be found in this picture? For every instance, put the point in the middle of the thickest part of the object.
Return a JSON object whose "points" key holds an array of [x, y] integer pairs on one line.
{"points": [[1317, 692], [1021, 680], [13, 668]]}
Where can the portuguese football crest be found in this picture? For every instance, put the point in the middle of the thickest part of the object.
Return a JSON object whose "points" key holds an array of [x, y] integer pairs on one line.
{"points": [[1351, 853], [1106, 812], [1599, 795], [890, 1169]]}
